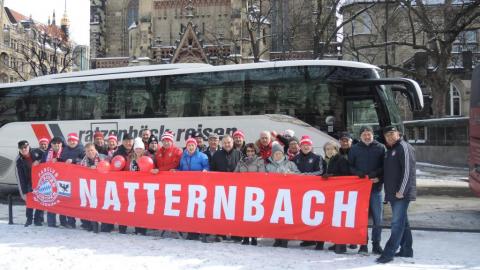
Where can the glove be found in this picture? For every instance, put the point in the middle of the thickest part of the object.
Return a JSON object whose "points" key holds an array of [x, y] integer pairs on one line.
{"points": [[372, 175], [361, 175]]}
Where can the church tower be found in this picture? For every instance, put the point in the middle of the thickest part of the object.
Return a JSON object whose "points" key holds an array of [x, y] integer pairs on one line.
{"points": [[65, 22]]}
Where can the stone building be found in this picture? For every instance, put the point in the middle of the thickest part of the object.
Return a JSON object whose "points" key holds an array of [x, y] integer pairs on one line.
{"points": [[150, 31], [29, 48]]}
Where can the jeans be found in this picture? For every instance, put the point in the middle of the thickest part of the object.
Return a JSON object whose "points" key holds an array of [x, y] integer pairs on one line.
{"points": [[401, 235], [51, 219], [376, 212]]}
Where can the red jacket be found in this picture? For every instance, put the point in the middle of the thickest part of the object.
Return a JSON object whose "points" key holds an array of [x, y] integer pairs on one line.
{"points": [[168, 158]]}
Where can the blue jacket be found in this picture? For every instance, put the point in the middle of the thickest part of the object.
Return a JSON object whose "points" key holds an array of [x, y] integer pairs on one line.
{"points": [[75, 154], [400, 171], [197, 162], [367, 160]]}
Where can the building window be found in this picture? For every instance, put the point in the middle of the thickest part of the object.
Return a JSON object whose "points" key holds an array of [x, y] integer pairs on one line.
{"points": [[453, 102]]}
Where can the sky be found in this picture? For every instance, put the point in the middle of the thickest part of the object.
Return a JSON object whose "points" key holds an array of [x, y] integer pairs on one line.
{"points": [[78, 12]]}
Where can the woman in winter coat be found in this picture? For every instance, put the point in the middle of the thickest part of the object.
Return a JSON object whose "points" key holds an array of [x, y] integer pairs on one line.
{"points": [[193, 160], [250, 163], [280, 164], [335, 165]]}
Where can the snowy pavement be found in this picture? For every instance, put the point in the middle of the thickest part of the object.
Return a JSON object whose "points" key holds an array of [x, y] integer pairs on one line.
{"points": [[60, 248]]}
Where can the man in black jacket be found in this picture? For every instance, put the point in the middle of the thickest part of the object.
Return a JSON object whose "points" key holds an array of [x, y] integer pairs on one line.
{"points": [[226, 159], [24, 163], [400, 188], [366, 159]]}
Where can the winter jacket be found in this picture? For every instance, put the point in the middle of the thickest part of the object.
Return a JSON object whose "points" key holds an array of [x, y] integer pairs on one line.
{"points": [[122, 151], [344, 152], [251, 164], [168, 158], [336, 166], [284, 166], [367, 160], [399, 174], [76, 154], [24, 173], [46, 158], [101, 149], [196, 162], [210, 155], [310, 164], [223, 161], [37, 154]]}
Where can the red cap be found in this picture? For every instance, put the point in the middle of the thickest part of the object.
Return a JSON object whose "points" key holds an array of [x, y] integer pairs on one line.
{"points": [[98, 134], [306, 140], [191, 140], [43, 140], [112, 137], [239, 133], [72, 137]]}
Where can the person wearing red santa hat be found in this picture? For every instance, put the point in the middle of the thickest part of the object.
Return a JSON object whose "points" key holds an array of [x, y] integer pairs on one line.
{"points": [[168, 156], [239, 141]]}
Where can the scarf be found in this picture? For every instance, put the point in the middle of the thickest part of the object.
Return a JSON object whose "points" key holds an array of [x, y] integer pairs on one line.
{"points": [[51, 155], [292, 155], [86, 162]]}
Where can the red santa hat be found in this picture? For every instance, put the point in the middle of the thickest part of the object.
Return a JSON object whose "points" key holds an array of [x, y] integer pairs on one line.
{"points": [[72, 137], [191, 140], [306, 140], [167, 135], [43, 140], [239, 133], [98, 134]]}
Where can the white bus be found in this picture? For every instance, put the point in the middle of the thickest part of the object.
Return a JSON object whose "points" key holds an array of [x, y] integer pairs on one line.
{"points": [[316, 97]]}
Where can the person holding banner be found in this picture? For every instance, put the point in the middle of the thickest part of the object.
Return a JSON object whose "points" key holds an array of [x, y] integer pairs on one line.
{"points": [[335, 165], [53, 154], [309, 163], [366, 159], [112, 146], [193, 160], [25, 160], [168, 156], [134, 166], [278, 163], [91, 160], [400, 189], [99, 142], [250, 163]]}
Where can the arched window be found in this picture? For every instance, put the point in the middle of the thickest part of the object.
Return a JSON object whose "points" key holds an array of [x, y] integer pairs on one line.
{"points": [[453, 102]]}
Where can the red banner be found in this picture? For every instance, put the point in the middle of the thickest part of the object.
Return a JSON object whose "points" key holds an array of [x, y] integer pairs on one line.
{"points": [[241, 204]]}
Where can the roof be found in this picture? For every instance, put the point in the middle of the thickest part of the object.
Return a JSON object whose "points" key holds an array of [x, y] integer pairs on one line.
{"points": [[14, 16]]}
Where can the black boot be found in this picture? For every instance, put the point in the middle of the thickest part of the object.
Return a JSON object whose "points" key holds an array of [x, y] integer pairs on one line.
{"points": [[333, 247], [254, 241], [122, 229], [319, 245], [404, 254], [95, 226], [363, 249], [376, 248], [245, 241], [28, 223], [284, 243], [307, 243], [352, 246], [339, 249], [203, 238], [277, 243]]}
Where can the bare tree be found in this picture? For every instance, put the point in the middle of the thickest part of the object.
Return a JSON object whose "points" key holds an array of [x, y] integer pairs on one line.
{"points": [[431, 30], [257, 23], [47, 53]]}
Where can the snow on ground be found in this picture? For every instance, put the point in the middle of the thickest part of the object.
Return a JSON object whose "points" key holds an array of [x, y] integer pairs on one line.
{"points": [[59, 248]]}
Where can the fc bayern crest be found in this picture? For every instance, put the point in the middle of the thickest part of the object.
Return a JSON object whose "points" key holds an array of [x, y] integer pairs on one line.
{"points": [[46, 192]]}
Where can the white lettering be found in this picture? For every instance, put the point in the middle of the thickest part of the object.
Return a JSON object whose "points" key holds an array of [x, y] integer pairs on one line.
{"points": [[87, 193], [282, 207], [170, 200], [307, 207], [199, 200], [111, 196], [221, 202], [251, 204], [131, 195], [349, 208], [151, 188]]}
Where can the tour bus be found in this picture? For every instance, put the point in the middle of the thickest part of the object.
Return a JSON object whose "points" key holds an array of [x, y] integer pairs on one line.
{"points": [[319, 98], [474, 129]]}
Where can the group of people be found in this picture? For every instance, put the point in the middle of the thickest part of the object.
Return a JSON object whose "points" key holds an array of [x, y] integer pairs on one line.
{"points": [[391, 168]]}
